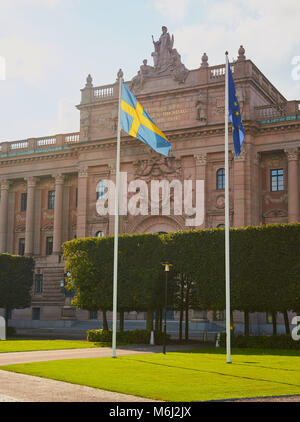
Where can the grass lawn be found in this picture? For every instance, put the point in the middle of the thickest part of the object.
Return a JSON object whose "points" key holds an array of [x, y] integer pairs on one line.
{"points": [[8, 346], [191, 376]]}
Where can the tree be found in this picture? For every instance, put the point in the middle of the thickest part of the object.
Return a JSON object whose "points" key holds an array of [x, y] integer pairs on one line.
{"points": [[16, 279]]}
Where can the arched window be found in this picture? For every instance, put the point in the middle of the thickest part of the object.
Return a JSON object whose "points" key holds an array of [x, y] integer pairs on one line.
{"points": [[101, 189], [221, 179], [99, 234]]}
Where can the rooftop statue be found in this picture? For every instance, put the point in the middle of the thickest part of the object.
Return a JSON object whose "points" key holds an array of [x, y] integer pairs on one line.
{"points": [[167, 61], [163, 50]]}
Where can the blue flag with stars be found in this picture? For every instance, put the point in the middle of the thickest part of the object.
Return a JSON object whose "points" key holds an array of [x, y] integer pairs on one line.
{"points": [[238, 131]]}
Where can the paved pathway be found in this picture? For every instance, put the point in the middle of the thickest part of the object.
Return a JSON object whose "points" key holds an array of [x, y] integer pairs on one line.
{"points": [[24, 388]]}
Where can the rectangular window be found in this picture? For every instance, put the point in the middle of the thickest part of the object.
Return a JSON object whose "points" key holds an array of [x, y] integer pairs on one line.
{"points": [[219, 316], [21, 246], [38, 284], [36, 314], [51, 199], [221, 179], [93, 315], [277, 180], [23, 202], [49, 245]]}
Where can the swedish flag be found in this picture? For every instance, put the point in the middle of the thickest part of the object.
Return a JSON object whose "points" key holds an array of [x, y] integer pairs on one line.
{"points": [[235, 116], [136, 122]]}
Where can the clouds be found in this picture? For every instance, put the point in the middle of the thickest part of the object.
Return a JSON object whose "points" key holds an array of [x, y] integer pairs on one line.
{"points": [[172, 9], [47, 3], [269, 30], [29, 61]]}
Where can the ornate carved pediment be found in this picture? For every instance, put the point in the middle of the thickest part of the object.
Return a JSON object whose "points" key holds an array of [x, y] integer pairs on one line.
{"points": [[20, 228], [47, 228], [270, 200], [158, 167], [276, 213]]}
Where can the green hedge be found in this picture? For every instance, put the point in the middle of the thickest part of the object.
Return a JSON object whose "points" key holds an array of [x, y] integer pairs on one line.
{"points": [[283, 342], [128, 337]]}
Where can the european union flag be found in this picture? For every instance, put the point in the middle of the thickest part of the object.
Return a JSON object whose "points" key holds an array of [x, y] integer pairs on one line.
{"points": [[136, 122], [235, 116]]}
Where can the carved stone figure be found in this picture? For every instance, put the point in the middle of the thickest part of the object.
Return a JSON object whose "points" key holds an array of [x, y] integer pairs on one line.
{"points": [[163, 48], [167, 61], [146, 70], [201, 108], [180, 71]]}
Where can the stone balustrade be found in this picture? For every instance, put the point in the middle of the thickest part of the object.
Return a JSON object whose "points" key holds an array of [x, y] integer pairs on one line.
{"points": [[103, 92], [34, 145], [278, 112]]}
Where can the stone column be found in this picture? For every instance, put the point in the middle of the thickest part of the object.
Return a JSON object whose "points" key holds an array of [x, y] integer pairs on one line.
{"points": [[82, 202], [201, 162], [293, 185], [257, 194], [57, 231], [239, 189], [3, 215], [31, 184]]}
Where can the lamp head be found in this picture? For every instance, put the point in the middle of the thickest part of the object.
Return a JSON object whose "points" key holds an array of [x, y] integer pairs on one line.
{"points": [[167, 266]]}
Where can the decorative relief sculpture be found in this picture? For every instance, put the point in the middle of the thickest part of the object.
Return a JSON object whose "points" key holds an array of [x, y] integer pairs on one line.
{"points": [[157, 167]]}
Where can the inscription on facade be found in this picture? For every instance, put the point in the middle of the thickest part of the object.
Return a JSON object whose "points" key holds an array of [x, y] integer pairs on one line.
{"points": [[170, 113]]}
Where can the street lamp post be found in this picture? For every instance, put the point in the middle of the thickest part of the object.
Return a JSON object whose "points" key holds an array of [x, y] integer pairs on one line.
{"points": [[167, 267]]}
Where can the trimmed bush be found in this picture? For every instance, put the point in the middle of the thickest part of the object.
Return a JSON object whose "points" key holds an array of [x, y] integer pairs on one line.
{"points": [[128, 337], [11, 331], [282, 342]]}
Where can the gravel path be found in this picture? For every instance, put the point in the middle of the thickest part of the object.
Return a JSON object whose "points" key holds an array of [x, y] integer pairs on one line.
{"points": [[24, 388]]}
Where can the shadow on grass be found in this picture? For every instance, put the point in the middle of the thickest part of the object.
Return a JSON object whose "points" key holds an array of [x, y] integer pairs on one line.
{"points": [[216, 372], [245, 352]]}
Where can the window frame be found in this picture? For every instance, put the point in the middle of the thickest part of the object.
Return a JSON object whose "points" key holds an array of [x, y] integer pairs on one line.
{"points": [[21, 240], [38, 284], [51, 199], [218, 177], [48, 244], [23, 202], [36, 314], [277, 176], [100, 193]]}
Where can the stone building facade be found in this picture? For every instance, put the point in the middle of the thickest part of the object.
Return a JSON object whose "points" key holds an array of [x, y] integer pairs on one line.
{"points": [[50, 185]]}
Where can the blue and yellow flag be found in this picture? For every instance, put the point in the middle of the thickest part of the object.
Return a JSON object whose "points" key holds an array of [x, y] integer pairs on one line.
{"points": [[136, 122], [235, 115]]}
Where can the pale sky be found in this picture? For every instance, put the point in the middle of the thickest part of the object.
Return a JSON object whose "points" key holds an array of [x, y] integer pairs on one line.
{"points": [[50, 46]]}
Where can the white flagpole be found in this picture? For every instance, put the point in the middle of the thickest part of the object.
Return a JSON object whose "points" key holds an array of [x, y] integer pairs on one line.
{"points": [[227, 218], [116, 238]]}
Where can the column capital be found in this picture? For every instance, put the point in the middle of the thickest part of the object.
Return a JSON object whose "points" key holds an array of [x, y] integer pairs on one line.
{"points": [[59, 178], [201, 159], [5, 184], [242, 156], [292, 154], [83, 171], [257, 158], [31, 181]]}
